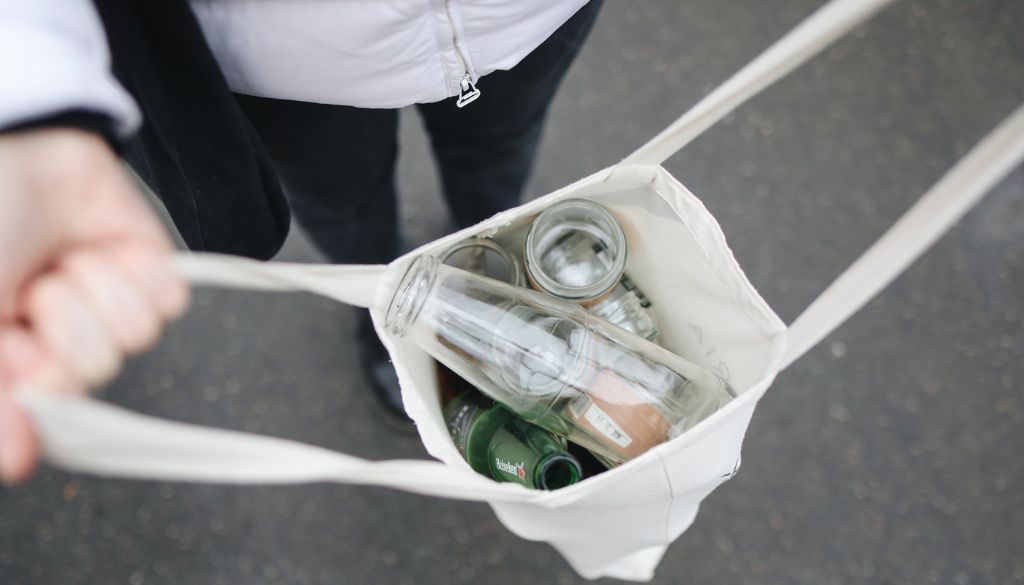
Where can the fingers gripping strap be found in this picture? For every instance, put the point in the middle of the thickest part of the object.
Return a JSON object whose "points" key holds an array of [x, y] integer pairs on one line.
{"points": [[348, 283], [809, 38], [945, 203], [86, 435]]}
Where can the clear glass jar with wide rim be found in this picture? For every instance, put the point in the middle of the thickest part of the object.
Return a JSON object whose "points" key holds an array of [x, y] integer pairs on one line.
{"points": [[575, 250], [486, 257], [548, 360]]}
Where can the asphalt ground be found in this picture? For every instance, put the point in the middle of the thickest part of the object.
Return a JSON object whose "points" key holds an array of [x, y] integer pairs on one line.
{"points": [[890, 454]]}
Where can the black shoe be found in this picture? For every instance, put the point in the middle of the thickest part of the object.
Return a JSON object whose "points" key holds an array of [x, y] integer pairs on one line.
{"points": [[381, 374]]}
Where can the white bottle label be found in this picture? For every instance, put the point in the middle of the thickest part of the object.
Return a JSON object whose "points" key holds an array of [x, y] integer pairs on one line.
{"points": [[606, 426]]}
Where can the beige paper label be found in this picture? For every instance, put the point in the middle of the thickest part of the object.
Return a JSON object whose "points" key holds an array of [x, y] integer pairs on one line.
{"points": [[619, 416]]}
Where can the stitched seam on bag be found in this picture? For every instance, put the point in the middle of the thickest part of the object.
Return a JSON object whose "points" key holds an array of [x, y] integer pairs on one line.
{"points": [[699, 431], [667, 526]]}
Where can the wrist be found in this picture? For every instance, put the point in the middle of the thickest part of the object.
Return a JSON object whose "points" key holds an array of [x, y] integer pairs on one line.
{"points": [[89, 121]]}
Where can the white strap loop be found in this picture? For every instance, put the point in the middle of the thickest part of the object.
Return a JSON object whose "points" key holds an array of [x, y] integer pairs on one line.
{"points": [[351, 284], [86, 435], [944, 204], [810, 37]]}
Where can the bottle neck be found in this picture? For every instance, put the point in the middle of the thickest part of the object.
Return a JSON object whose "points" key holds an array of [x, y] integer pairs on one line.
{"points": [[411, 294], [557, 470], [522, 453]]}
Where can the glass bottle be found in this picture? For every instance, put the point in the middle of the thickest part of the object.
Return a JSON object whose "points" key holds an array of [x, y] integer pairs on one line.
{"points": [[548, 360], [483, 256], [499, 444]]}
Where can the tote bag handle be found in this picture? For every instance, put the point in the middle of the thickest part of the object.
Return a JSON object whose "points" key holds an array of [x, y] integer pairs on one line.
{"points": [[87, 435], [83, 434], [912, 234], [959, 190], [807, 39], [352, 284]]}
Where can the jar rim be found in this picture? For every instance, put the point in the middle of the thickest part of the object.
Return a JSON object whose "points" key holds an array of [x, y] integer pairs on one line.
{"points": [[514, 268], [590, 291]]}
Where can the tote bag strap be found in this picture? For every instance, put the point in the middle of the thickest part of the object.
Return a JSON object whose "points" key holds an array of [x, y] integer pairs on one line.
{"points": [[86, 435], [945, 203], [961, 188], [810, 37], [352, 284]]}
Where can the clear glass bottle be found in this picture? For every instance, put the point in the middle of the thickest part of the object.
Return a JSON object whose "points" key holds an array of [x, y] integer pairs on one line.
{"points": [[499, 444], [576, 250], [551, 362]]}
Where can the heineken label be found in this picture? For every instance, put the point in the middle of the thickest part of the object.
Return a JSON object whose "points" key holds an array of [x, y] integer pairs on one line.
{"points": [[516, 470]]}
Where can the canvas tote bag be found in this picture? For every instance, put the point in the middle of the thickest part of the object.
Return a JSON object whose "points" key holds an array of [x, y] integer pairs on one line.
{"points": [[619, 523]]}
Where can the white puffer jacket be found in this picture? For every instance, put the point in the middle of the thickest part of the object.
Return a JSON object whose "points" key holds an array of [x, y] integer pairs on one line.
{"points": [[365, 53]]}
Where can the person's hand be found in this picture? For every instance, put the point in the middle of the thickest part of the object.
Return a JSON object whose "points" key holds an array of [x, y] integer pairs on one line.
{"points": [[85, 275]]}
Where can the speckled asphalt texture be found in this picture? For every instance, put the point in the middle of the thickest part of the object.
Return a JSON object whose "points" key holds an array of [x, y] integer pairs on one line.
{"points": [[890, 454]]}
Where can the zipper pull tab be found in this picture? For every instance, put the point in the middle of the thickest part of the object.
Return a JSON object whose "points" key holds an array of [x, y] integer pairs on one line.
{"points": [[467, 91]]}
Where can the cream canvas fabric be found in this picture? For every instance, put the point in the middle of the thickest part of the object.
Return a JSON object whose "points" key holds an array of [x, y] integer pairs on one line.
{"points": [[619, 523], [719, 322]]}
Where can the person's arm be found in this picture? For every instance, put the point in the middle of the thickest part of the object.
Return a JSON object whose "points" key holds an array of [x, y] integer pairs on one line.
{"points": [[53, 59], [85, 267]]}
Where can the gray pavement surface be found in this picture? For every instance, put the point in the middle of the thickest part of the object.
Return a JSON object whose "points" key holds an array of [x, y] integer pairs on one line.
{"points": [[888, 455]]}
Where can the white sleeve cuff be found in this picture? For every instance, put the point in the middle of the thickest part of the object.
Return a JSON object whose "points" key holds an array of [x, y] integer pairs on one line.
{"points": [[54, 57]]}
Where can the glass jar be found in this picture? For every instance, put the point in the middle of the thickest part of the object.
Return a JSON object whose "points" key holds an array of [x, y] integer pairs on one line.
{"points": [[486, 257], [576, 250], [551, 362]]}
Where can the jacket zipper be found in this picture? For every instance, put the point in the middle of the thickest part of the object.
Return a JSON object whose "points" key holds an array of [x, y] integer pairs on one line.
{"points": [[468, 92]]}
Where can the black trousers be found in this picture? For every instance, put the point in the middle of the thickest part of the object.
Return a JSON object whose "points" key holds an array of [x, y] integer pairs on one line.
{"points": [[337, 163]]}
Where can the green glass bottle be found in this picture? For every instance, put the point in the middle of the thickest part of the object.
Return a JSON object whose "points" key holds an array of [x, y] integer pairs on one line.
{"points": [[502, 446]]}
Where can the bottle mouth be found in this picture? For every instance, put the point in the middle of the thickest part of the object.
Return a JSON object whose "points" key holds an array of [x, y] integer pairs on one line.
{"points": [[575, 250], [410, 295], [558, 471]]}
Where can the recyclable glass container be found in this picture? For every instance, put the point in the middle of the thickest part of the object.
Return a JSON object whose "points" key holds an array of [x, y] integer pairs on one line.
{"points": [[548, 360], [499, 444], [486, 257], [576, 250]]}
